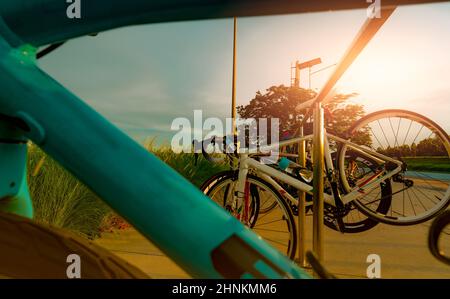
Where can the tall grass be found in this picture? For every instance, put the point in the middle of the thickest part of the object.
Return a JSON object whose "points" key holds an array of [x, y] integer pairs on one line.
{"points": [[61, 200], [185, 164]]}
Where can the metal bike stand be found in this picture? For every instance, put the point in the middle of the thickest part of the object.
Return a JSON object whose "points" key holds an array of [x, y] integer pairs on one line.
{"points": [[301, 207], [318, 153]]}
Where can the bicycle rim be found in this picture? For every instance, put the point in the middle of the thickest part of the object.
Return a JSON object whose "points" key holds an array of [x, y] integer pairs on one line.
{"points": [[419, 192], [277, 226]]}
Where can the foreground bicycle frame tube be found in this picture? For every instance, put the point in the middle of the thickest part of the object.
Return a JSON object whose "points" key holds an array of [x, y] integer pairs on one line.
{"points": [[196, 233]]}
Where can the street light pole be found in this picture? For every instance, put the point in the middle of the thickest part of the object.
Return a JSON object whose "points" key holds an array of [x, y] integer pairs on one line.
{"points": [[233, 90], [302, 162], [309, 78]]}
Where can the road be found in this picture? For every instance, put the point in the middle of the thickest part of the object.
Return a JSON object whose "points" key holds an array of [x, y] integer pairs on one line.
{"points": [[403, 252]]}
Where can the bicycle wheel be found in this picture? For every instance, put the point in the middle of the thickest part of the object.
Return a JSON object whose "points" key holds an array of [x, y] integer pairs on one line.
{"points": [[354, 221], [439, 237], [213, 179], [418, 192], [277, 226], [31, 250]]}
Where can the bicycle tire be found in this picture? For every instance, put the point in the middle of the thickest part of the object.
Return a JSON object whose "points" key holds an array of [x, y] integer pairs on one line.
{"points": [[232, 175], [436, 229], [32, 250], [424, 121], [211, 181], [352, 228], [368, 223]]}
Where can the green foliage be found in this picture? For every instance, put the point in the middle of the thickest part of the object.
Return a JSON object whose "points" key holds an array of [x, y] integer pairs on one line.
{"points": [[184, 163], [280, 102], [277, 102], [432, 146], [60, 200]]}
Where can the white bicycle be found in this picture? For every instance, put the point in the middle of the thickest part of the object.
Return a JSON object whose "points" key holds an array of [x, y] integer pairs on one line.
{"points": [[387, 181], [393, 166]]}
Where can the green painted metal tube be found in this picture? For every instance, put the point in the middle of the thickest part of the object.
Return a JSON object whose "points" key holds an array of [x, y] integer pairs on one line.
{"points": [[40, 22], [14, 196], [190, 228]]}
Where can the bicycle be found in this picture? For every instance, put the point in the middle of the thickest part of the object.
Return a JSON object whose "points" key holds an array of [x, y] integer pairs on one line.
{"points": [[439, 237], [372, 180], [374, 184]]}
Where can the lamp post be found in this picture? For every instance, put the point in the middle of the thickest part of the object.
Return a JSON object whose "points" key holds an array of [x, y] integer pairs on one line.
{"points": [[307, 64], [318, 185], [233, 88], [302, 162]]}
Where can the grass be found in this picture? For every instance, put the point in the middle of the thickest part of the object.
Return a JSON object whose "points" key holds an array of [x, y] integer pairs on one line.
{"points": [[433, 164], [61, 200], [185, 164]]}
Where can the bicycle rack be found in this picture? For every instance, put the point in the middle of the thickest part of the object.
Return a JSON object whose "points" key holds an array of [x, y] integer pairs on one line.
{"points": [[366, 33], [318, 151], [318, 200], [301, 206]]}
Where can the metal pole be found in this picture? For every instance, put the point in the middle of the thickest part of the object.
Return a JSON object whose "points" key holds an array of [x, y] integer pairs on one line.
{"points": [[233, 91], [309, 79], [318, 154], [297, 75], [301, 207]]}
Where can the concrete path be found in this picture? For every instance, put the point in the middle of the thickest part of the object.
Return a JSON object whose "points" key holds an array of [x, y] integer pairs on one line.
{"points": [[135, 249], [403, 252]]}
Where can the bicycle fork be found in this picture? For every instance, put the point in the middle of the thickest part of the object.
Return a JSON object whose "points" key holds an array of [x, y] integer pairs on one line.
{"points": [[14, 195], [241, 193]]}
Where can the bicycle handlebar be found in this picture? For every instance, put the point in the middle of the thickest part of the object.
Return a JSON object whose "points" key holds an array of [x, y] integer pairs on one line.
{"points": [[201, 145]]}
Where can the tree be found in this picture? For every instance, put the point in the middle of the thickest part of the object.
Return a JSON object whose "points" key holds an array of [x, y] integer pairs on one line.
{"points": [[280, 102], [431, 147]]}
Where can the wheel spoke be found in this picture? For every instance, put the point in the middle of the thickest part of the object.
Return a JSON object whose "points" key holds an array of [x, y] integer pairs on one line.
{"points": [[422, 150], [387, 141]]}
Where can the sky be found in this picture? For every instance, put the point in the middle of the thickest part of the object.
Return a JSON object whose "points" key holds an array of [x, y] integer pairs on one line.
{"points": [[143, 77]]}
